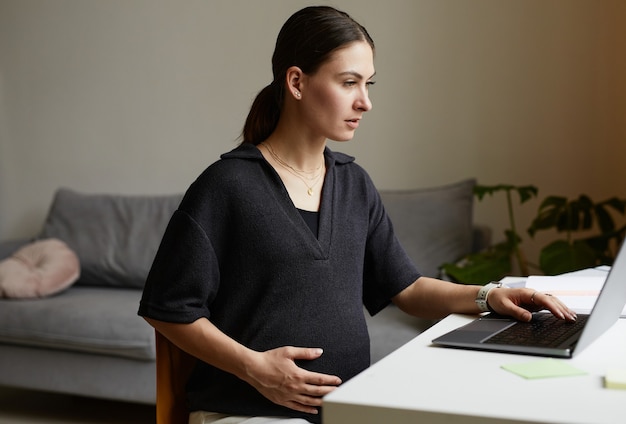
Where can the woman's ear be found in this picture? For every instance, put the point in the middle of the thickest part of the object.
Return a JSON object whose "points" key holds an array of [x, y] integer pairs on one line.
{"points": [[294, 81]]}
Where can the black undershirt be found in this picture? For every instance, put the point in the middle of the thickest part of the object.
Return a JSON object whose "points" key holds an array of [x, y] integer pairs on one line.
{"points": [[311, 219]]}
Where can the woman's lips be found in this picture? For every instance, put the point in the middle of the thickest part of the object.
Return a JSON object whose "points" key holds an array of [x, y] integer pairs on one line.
{"points": [[353, 123]]}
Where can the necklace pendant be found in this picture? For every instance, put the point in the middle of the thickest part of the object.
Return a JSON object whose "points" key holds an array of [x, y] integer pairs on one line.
{"points": [[310, 192]]}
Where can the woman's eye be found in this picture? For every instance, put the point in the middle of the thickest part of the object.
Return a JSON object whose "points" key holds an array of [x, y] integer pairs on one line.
{"points": [[350, 83]]}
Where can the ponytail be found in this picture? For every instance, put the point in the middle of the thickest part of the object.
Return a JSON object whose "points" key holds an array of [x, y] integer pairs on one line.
{"points": [[263, 116]]}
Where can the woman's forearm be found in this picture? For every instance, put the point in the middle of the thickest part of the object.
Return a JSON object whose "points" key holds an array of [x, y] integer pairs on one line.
{"points": [[432, 298], [206, 342]]}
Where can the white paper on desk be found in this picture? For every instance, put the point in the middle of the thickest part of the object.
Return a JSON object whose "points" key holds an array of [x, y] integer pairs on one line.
{"points": [[577, 292]]}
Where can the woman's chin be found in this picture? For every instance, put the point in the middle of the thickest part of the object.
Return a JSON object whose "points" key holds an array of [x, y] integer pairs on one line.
{"points": [[343, 138]]}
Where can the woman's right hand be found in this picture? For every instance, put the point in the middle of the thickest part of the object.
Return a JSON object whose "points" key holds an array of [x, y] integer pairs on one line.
{"points": [[275, 374]]}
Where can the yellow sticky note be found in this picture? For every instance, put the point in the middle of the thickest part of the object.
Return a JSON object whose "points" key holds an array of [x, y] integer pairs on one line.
{"points": [[615, 379], [545, 368]]}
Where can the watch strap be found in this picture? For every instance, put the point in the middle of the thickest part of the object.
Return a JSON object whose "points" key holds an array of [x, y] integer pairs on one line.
{"points": [[483, 293]]}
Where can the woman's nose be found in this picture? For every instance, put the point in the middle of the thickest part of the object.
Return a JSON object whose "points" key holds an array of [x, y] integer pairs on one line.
{"points": [[363, 102]]}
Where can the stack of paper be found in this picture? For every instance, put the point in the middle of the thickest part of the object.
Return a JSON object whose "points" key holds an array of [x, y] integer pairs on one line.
{"points": [[579, 291]]}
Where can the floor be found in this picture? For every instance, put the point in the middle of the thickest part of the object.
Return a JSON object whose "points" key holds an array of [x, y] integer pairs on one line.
{"points": [[32, 407]]}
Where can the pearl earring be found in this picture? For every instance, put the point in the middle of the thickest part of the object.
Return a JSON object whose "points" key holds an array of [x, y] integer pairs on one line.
{"points": [[297, 94]]}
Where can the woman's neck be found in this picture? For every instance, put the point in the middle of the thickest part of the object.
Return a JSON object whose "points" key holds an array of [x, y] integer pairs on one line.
{"points": [[300, 166], [299, 153]]}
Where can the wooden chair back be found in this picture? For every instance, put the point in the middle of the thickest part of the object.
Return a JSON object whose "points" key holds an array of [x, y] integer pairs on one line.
{"points": [[173, 368]]}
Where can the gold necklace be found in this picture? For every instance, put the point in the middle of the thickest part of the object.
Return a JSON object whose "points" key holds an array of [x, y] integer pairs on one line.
{"points": [[284, 163], [297, 172]]}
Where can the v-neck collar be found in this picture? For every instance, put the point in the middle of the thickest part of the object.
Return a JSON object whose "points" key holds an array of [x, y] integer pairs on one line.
{"points": [[322, 243]]}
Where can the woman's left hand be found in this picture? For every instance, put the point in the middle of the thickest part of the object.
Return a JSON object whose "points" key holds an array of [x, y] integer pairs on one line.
{"points": [[521, 302]]}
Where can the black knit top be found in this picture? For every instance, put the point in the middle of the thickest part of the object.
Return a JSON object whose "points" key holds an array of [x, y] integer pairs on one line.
{"points": [[239, 253]]}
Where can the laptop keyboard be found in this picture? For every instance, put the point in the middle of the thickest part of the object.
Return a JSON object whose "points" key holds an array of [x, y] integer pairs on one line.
{"points": [[545, 330]]}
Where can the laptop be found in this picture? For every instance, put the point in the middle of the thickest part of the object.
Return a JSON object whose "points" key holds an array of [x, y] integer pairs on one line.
{"points": [[490, 332]]}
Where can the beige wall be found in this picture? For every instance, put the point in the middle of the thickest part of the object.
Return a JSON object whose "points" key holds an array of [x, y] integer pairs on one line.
{"points": [[138, 96]]}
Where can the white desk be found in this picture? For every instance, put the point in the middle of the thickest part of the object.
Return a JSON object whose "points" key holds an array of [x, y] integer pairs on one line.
{"points": [[427, 384]]}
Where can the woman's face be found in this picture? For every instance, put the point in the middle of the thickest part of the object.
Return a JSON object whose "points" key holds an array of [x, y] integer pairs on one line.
{"points": [[335, 97]]}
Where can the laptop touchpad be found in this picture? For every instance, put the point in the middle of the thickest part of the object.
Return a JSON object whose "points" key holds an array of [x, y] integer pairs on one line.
{"points": [[481, 329]]}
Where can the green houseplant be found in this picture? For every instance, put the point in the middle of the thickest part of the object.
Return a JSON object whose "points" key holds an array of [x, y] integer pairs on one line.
{"points": [[569, 217], [597, 246], [496, 261]]}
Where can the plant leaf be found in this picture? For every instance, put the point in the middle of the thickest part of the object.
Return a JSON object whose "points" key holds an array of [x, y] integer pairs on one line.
{"points": [[526, 193], [618, 204], [605, 221], [491, 264], [559, 257], [481, 190], [480, 271], [557, 202], [549, 214]]}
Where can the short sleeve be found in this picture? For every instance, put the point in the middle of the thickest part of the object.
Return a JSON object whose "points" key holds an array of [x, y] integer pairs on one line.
{"points": [[387, 269], [184, 276]]}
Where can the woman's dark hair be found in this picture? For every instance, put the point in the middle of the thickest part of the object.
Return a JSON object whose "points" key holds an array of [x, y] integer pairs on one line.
{"points": [[306, 40]]}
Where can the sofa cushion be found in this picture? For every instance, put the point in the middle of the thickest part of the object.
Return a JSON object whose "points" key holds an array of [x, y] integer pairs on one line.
{"points": [[39, 269], [114, 236], [85, 319], [434, 224]]}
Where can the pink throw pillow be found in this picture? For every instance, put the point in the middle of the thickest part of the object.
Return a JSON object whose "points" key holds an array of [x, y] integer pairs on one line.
{"points": [[39, 269]]}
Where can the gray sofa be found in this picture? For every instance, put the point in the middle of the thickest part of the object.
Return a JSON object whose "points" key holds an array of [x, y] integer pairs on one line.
{"points": [[88, 340]]}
